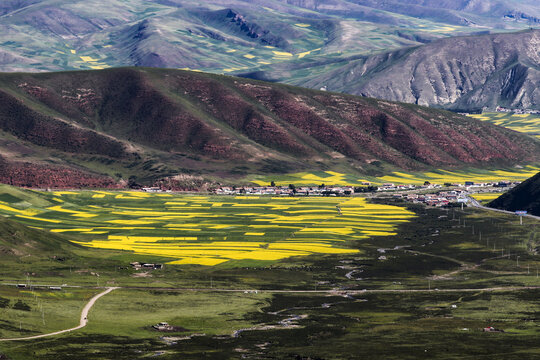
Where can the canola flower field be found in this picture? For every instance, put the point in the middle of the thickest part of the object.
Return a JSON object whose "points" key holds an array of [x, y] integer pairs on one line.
{"points": [[525, 123], [400, 178], [207, 230], [486, 196]]}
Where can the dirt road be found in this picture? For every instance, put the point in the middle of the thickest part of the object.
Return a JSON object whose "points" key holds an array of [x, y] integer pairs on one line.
{"points": [[82, 322]]}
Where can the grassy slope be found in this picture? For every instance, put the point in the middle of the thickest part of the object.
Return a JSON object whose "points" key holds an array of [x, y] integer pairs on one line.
{"points": [[52, 36], [525, 196]]}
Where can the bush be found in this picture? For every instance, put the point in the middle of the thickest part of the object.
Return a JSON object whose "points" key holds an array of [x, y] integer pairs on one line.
{"points": [[4, 302], [19, 305]]}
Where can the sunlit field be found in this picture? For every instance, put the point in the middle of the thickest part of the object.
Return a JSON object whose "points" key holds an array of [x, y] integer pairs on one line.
{"points": [[434, 177], [525, 123], [208, 230], [486, 196]]}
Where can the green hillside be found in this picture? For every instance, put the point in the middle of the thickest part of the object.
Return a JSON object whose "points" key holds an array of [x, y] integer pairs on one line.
{"points": [[229, 35]]}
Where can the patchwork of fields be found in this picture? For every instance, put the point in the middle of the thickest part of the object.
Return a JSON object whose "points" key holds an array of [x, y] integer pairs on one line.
{"points": [[525, 123], [207, 230], [434, 177]]}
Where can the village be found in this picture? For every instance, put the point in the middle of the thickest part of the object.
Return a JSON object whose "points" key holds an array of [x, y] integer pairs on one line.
{"points": [[441, 196]]}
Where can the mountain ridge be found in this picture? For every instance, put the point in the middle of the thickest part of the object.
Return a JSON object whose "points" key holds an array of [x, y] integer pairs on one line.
{"points": [[232, 35], [153, 123], [460, 73]]}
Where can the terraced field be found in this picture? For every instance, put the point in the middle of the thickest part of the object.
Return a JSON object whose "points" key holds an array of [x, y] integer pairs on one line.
{"points": [[525, 123], [208, 230], [435, 177]]}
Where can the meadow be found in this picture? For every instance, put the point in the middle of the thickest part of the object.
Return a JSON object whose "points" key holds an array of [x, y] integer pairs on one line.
{"points": [[207, 230], [440, 268]]}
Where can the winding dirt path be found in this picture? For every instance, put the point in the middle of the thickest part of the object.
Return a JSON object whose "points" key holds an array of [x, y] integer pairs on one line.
{"points": [[83, 322]]}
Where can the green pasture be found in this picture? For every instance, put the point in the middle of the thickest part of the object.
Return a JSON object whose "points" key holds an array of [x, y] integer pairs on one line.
{"points": [[27, 312], [435, 250]]}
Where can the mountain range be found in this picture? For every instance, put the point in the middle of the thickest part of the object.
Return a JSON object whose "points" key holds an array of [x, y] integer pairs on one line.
{"points": [[385, 49], [233, 35], [466, 73], [93, 128]]}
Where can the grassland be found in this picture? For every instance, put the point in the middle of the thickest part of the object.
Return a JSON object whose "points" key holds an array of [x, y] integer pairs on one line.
{"points": [[525, 123], [452, 272], [438, 176]]}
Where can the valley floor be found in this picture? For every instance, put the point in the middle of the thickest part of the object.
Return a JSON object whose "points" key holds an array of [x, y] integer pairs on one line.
{"points": [[425, 289]]}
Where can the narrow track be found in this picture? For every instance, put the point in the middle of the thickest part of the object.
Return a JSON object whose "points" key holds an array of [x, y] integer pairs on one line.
{"points": [[82, 323]]}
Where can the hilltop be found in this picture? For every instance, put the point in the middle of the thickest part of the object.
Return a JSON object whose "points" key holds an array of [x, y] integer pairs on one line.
{"points": [[93, 128], [525, 196]]}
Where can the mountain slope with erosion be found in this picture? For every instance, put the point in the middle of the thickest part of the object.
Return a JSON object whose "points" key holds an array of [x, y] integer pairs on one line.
{"points": [[233, 35], [461, 73], [91, 128]]}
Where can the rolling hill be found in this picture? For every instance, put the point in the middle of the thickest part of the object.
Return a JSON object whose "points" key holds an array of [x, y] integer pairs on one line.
{"points": [[93, 128], [234, 35], [460, 73], [525, 196]]}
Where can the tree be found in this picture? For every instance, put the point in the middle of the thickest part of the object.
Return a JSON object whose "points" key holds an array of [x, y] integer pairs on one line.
{"points": [[272, 184], [427, 183]]}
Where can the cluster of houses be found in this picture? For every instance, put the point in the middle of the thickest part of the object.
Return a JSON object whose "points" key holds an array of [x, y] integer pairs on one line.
{"points": [[324, 190], [137, 265], [442, 198], [154, 189], [287, 190], [517, 111]]}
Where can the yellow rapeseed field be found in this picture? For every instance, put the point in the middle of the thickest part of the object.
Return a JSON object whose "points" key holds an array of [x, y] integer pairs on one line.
{"points": [[203, 230]]}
